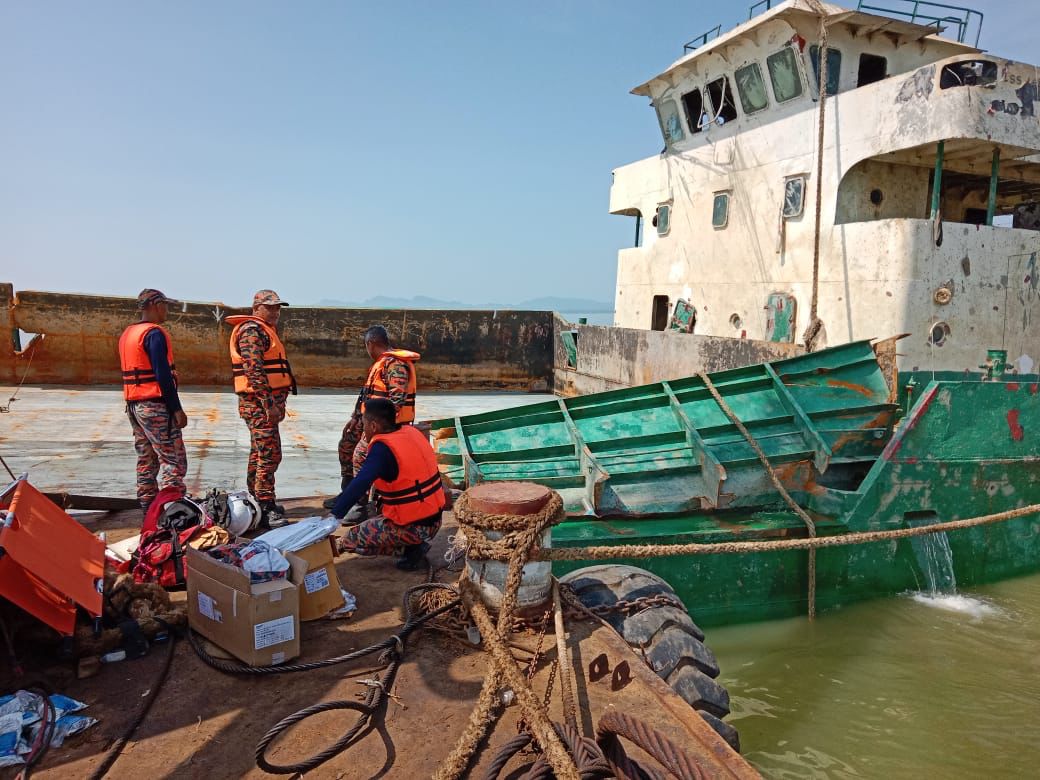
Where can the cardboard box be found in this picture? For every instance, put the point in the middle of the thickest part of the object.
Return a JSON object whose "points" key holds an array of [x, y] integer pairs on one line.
{"points": [[257, 623], [320, 591]]}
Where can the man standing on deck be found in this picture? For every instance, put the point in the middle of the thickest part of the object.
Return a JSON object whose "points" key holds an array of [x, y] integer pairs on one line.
{"points": [[392, 378], [152, 403], [263, 380], [402, 467]]}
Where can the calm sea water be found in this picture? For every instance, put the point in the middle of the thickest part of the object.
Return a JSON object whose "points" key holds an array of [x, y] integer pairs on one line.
{"points": [[912, 686]]}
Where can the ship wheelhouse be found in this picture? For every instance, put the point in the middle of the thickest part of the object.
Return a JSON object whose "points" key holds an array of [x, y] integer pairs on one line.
{"points": [[930, 185]]}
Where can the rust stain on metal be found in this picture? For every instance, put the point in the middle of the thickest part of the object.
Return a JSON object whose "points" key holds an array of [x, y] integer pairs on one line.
{"points": [[850, 386], [461, 349]]}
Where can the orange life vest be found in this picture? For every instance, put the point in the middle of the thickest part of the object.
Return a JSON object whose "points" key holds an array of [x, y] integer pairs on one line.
{"points": [[139, 382], [417, 492], [276, 364], [375, 387]]}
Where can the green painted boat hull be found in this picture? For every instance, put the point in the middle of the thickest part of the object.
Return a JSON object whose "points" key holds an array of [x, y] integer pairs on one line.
{"points": [[966, 449]]}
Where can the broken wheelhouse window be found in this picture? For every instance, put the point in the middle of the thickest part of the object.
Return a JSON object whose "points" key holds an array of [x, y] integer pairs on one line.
{"points": [[969, 73], [693, 105], [721, 98]]}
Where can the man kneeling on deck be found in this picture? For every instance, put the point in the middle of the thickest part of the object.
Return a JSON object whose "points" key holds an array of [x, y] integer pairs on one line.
{"points": [[403, 468]]}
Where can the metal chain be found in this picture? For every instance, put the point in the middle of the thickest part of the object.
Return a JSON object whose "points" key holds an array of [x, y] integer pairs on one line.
{"points": [[522, 727]]}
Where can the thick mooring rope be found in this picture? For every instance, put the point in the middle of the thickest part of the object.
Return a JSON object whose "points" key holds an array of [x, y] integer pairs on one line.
{"points": [[519, 544], [812, 331], [605, 552], [802, 514], [520, 534]]}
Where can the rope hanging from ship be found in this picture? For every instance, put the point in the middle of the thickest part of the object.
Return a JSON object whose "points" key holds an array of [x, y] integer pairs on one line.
{"points": [[815, 327]]}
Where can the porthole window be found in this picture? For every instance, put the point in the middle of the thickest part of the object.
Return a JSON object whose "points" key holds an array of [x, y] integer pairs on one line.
{"points": [[794, 197], [720, 210], [784, 75], [663, 219], [752, 88], [939, 333], [671, 125]]}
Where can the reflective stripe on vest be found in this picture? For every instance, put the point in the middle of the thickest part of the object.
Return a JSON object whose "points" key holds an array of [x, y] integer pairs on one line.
{"points": [[417, 493], [139, 380], [276, 364], [375, 387]]}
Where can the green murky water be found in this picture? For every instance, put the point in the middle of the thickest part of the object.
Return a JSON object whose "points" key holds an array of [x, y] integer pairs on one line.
{"points": [[904, 687]]}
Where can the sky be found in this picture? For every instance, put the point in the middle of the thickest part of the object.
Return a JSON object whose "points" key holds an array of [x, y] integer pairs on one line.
{"points": [[337, 150]]}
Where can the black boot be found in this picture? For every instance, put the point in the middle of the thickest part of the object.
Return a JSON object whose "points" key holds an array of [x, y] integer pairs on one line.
{"points": [[413, 556], [271, 516]]}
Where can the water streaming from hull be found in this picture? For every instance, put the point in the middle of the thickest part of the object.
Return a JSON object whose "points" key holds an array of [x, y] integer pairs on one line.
{"points": [[935, 559]]}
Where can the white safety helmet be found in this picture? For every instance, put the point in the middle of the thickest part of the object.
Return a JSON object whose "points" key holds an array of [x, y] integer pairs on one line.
{"points": [[243, 512]]}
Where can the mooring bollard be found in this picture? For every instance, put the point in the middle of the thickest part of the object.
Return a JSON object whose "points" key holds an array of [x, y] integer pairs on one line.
{"points": [[510, 498]]}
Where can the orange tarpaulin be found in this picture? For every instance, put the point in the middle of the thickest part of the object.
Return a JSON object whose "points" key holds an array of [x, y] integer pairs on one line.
{"points": [[49, 563]]}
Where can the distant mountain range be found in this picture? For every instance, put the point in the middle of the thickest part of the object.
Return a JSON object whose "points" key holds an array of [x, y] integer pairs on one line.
{"points": [[562, 305]]}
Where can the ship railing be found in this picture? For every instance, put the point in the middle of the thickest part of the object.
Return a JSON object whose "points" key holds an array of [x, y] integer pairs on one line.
{"points": [[700, 40], [966, 21], [765, 5]]}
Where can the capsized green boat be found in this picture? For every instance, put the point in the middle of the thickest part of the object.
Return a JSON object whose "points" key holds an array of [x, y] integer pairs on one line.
{"points": [[662, 464]]}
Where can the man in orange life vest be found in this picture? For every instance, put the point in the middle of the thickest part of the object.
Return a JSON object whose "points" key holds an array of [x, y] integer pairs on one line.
{"points": [[152, 403], [402, 467], [263, 381], [391, 377]]}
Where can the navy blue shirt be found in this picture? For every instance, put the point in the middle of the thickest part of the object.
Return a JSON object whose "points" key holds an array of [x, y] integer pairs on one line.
{"points": [[380, 463], [155, 346]]}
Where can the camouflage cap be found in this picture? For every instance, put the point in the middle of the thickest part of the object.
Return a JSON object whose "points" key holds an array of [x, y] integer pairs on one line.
{"points": [[150, 297], [268, 298]]}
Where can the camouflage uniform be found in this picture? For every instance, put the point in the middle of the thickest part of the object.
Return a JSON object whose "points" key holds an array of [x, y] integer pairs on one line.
{"points": [[379, 536], [262, 410], [353, 446], [161, 459]]}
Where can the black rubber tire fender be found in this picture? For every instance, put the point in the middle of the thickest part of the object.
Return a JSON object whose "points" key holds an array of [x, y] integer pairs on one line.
{"points": [[666, 637]]}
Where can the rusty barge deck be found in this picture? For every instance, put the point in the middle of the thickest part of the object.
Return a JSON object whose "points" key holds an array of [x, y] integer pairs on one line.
{"points": [[205, 723]]}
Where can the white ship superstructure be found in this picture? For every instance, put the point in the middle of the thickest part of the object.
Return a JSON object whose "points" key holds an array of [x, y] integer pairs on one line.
{"points": [[930, 166]]}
